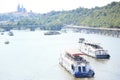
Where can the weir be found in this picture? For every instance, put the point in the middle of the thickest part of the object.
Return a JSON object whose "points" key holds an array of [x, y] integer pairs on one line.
{"points": [[92, 30]]}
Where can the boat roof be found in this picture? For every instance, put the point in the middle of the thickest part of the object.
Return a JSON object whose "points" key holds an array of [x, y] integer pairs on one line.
{"points": [[93, 44], [74, 52]]}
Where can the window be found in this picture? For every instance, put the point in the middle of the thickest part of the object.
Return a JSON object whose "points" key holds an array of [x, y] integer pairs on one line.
{"points": [[79, 69], [84, 69], [73, 68]]}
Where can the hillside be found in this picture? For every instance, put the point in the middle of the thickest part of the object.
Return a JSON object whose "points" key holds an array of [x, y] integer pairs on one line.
{"points": [[107, 17]]}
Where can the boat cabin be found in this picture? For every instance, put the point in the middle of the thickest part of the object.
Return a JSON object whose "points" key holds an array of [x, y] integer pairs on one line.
{"points": [[76, 56]]}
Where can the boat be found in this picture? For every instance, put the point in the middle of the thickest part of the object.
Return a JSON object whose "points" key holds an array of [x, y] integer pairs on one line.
{"points": [[52, 33], [6, 42], [2, 33], [74, 63], [10, 33], [81, 40], [94, 50]]}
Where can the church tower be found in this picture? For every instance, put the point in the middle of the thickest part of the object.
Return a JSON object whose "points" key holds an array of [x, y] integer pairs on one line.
{"points": [[18, 8], [21, 9]]}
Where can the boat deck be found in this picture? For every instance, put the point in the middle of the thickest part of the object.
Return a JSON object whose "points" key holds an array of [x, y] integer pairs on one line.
{"points": [[76, 56]]}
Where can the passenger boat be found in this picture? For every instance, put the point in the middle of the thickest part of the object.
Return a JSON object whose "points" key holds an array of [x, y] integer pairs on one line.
{"points": [[73, 62], [93, 49]]}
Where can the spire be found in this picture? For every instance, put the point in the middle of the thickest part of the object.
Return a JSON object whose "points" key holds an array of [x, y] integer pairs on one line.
{"points": [[20, 8]]}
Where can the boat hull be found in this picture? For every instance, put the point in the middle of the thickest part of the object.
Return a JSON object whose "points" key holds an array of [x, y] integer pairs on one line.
{"points": [[102, 56], [97, 56], [107, 56], [84, 75]]}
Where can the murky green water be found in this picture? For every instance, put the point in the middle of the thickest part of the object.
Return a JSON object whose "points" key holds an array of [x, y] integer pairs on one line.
{"points": [[33, 56]]}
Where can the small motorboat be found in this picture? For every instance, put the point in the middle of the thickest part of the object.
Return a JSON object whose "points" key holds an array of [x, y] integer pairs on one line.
{"points": [[52, 33], [2, 33], [10, 33], [6, 42], [81, 40]]}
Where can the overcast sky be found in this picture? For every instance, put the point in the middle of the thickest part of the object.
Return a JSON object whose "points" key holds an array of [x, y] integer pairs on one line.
{"points": [[43, 6]]}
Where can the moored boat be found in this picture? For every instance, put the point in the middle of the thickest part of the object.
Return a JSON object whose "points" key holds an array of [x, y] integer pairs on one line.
{"points": [[2, 33], [73, 62], [94, 50], [52, 33], [10, 33], [81, 40], [6, 42]]}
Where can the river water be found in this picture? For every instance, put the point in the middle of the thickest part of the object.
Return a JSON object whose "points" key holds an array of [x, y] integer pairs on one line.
{"points": [[35, 56]]}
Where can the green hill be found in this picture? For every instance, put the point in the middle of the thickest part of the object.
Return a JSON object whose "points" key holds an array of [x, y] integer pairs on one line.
{"points": [[107, 17]]}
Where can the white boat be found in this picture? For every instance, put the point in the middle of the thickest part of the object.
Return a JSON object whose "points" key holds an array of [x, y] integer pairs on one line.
{"points": [[76, 64], [94, 50]]}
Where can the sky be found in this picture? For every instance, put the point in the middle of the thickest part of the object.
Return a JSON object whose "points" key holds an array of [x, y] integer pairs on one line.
{"points": [[44, 6]]}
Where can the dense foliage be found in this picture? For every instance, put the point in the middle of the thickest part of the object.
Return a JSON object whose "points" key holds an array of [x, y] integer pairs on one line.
{"points": [[106, 16]]}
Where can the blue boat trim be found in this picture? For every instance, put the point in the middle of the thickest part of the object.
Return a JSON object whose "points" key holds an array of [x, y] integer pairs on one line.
{"points": [[102, 56], [83, 75]]}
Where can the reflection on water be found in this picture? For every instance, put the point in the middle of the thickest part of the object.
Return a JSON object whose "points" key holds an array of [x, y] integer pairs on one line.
{"points": [[33, 56]]}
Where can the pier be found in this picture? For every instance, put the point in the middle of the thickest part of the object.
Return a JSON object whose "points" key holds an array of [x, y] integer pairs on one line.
{"points": [[92, 30]]}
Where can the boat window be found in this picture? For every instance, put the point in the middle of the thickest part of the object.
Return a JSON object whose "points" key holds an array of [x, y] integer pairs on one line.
{"points": [[99, 52], [79, 69], [84, 69], [73, 68], [78, 58]]}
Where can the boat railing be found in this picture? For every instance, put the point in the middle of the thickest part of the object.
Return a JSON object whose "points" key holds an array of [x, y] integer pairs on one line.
{"points": [[80, 60], [101, 52], [95, 46]]}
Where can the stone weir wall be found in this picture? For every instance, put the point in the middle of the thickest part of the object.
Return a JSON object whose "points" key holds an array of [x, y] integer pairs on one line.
{"points": [[91, 30]]}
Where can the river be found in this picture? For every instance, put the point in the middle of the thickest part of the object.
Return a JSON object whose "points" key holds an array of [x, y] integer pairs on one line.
{"points": [[35, 56]]}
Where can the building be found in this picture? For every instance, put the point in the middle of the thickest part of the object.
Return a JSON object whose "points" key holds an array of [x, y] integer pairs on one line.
{"points": [[20, 8]]}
